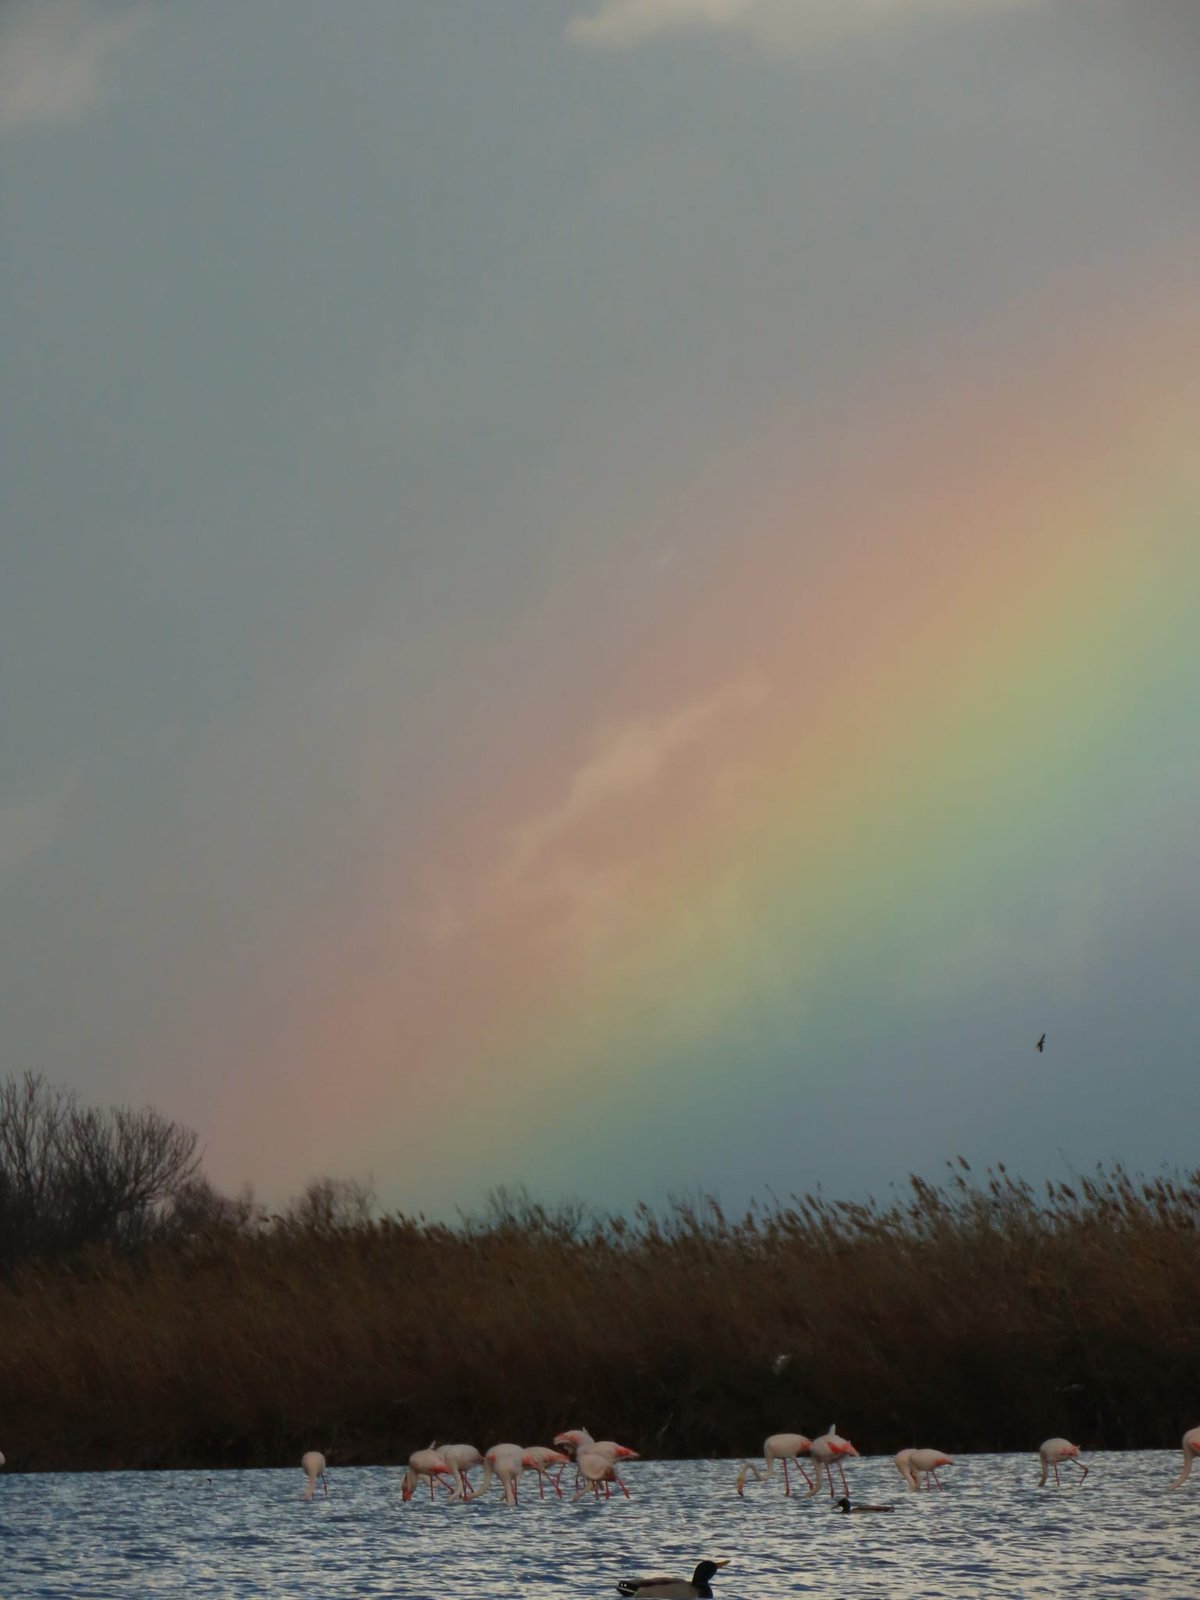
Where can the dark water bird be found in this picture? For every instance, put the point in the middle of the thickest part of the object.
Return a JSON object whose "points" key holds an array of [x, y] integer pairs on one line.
{"points": [[674, 1588], [1040, 1045], [844, 1505]]}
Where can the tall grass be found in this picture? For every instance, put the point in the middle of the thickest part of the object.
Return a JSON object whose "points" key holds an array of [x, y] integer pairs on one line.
{"points": [[973, 1316]]}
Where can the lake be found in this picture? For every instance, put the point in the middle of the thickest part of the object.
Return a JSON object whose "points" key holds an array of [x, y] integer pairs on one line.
{"points": [[124, 1535]]}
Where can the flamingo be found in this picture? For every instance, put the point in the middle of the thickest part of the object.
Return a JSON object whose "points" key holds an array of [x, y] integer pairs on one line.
{"points": [[506, 1462], [598, 1467], [424, 1464], [573, 1439], [538, 1458], [460, 1458], [1055, 1450], [313, 1463], [827, 1452], [783, 1447], [577, 1439], [910, 1464], [673, 1588], [1191, 1449]]}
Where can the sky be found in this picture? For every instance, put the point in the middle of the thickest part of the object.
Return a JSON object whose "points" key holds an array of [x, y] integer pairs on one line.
{"points": [[601, 594]]}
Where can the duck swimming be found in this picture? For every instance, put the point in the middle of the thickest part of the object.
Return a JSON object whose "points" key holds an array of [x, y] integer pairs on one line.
{"points": [[844, 1506], [673, 1588]]}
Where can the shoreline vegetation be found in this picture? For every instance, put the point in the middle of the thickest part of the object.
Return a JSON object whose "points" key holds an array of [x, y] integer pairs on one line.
{"points": [[146, 1321]]}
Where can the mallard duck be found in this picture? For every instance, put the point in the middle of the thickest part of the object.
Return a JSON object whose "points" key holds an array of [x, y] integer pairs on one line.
{"points": [[674, 1588]]}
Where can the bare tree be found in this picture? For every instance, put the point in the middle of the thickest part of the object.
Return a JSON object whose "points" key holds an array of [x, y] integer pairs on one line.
{"points": [[328, 1205], [72, 1175]]}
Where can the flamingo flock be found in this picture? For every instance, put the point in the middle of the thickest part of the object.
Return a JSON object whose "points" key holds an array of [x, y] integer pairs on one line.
{"points": [[450, 1465], [595, 1463]]}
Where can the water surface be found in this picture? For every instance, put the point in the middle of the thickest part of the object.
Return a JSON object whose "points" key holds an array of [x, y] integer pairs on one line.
{"points": [[237, 1535]]}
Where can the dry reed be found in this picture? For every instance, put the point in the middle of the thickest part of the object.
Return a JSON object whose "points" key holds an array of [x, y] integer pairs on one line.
{"points": [[977, 1316]]}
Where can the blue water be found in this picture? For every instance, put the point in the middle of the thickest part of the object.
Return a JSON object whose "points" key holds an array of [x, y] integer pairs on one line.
{"points": [[124, 1535]]}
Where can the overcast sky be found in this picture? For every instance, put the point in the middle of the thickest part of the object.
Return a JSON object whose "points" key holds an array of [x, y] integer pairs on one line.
{"points": [[602, 593]]}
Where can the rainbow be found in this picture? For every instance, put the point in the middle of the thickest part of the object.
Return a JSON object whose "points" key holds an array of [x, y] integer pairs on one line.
{"points": [[929, 666]]}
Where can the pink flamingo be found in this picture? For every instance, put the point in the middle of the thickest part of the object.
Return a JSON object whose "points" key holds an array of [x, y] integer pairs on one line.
{"points": [[460, 1458], [573, 1438], [540, 1457], [506, 1462], [598, 1467], [1191, 1449], [828, 1452], [782, 1447], [424, 1464], [577, 1439], [313, 1463], [910, 1464], [1054, 1451]]}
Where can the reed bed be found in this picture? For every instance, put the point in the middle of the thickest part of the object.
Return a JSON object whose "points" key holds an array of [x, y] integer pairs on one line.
{"points": [[974, 1315]]}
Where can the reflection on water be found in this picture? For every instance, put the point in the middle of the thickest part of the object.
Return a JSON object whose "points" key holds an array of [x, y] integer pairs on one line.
{"points": [[90, 1536]]}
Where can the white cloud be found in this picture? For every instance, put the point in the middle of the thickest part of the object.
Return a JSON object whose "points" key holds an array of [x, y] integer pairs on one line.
{"points": [[627, 761], [774, 24], [58, 58], [579, 856]]}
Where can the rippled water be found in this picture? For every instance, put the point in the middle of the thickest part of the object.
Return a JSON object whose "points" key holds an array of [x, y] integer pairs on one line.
{"points": [[91, 1536]]}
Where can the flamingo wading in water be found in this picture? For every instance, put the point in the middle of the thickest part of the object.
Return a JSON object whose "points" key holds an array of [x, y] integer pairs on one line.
{"points": [[426, 1464], [597, 1467], [828, 1452], [1056, 1451], [506, 1462], [782, 1447], [313, 1463], [460, 1458], [540, 1458], [1191, 1449], [912, 1464]]}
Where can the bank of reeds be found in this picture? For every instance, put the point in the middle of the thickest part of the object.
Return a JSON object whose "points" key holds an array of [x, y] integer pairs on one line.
{"points": [[971, 1316]]}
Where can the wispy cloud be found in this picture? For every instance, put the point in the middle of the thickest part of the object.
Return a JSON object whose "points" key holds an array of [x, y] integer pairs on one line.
{"points": [[774, 24], [59, 58], [580, 854], [626, 762]]}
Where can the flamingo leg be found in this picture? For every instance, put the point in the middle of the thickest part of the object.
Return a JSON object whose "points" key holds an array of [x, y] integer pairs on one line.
{"points": [[618, 1480], [803, 1474], [787, 1488], [1057, 1479], [845, 1485], [325, 1486]]}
